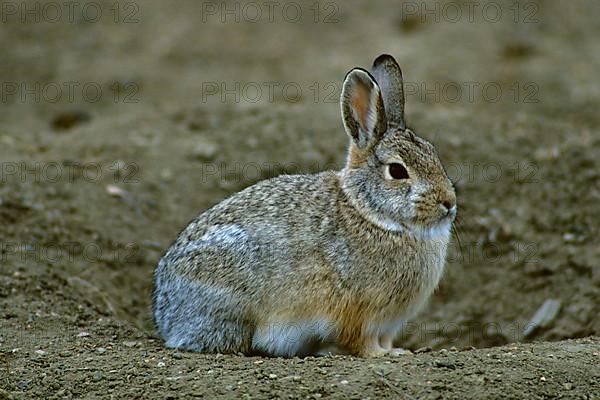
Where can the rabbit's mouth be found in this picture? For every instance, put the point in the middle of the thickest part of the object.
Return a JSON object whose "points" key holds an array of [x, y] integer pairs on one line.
{"points": [[450, 214], [441, 216], [436, 226], [438, 230]]}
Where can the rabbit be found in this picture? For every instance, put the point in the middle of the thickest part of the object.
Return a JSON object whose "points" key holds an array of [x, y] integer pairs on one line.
{"points": [[330, 263]]}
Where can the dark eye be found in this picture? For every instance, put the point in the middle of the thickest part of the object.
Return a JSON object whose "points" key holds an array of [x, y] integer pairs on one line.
{"points": [[397, 171]]}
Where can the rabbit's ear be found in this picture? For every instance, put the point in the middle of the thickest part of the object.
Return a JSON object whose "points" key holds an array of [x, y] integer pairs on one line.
{"points": [[362, 108], [388, 75]]}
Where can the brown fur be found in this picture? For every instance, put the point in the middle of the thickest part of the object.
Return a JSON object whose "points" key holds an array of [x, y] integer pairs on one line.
{"points": [[356, 157]]}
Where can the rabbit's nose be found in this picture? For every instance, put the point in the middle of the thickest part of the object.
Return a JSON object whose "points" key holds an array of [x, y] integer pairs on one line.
{"points": [[449, 206]]}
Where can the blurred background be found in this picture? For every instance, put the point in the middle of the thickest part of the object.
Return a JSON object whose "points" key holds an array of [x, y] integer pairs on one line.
{"points": [[121, 121]]}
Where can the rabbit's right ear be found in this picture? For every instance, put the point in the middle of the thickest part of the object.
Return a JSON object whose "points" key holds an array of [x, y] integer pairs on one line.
{"points": [[388, 74], [362, 108]]}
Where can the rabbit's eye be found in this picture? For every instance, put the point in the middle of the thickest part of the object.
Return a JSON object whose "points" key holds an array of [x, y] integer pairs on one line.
{"points": [[397, 171]]}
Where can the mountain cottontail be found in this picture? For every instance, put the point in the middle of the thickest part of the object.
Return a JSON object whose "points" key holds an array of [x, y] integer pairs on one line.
{"points": [[335, 262]]}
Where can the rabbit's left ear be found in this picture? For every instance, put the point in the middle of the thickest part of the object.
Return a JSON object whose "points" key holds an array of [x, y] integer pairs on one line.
{"points": [[388, 75], [362, 108]]}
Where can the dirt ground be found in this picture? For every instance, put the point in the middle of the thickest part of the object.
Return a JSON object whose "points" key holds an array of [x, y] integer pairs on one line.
{"points": [[120, 122]]}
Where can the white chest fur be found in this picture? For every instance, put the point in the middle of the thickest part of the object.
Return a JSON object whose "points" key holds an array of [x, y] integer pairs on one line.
{"points": [[433, 244]]}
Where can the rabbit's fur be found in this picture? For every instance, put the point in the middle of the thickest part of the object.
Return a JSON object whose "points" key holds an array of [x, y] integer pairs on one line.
{"points": [[311, 264]]}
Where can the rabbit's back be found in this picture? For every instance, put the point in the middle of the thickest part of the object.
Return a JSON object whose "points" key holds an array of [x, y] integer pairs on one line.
{"points": [[258, 228]]}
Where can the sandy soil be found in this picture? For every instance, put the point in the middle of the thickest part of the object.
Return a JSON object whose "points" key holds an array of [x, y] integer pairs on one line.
{"points": [[117, 128]]}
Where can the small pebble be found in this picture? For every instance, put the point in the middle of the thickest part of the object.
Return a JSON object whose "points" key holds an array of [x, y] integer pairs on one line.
{"points": [[40, 352], [444, 364], [115, 191], [69, 119], [423, 350], [177, 355], [205, 150], [83, 334], [543, 317], [344, 382], [7, 140], [272, 376], [166, 175], [160, 364], [101, 350]]}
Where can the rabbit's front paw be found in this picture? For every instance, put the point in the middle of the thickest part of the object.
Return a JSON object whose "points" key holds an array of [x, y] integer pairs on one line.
{"points": [[374, 349], [398, 351]]}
